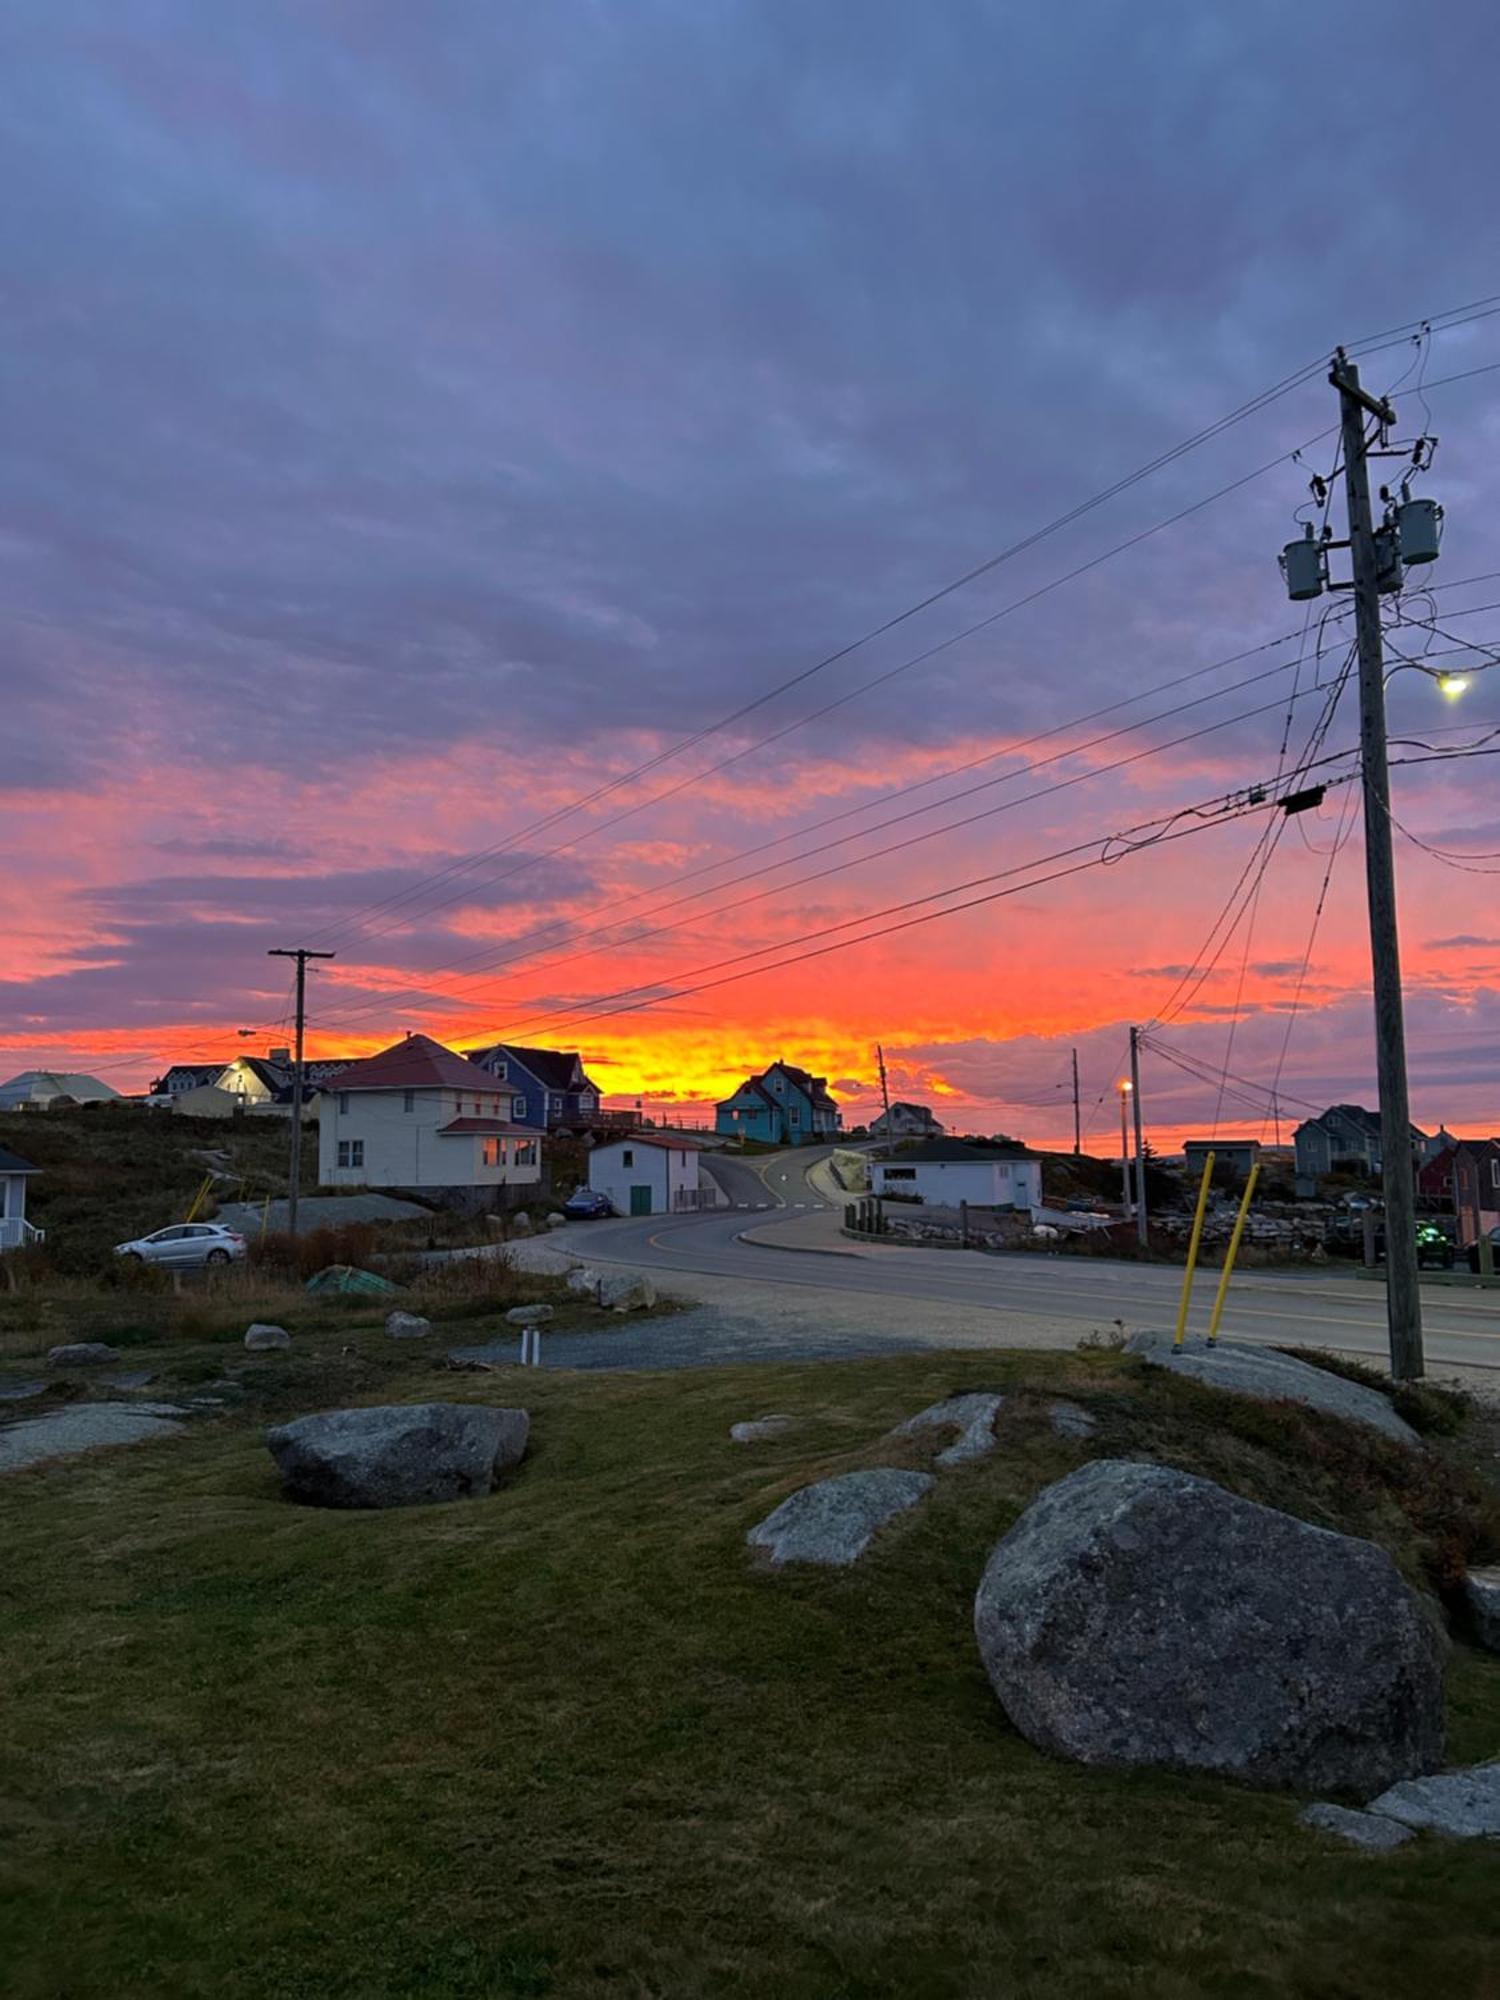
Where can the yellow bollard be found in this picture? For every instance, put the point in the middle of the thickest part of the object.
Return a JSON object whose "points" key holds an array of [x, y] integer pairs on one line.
{"points": [[1231, 1253], [1187, 1276]]}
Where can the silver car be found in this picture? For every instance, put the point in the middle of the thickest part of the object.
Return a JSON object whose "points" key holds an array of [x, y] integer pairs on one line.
{"points": [[186, 1246]]}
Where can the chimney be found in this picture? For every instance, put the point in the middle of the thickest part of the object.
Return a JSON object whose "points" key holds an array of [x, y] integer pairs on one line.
{"points": [[278, 1055]]}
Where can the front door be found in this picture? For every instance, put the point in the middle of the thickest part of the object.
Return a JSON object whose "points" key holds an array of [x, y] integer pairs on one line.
{"points": [[640, 1201]]}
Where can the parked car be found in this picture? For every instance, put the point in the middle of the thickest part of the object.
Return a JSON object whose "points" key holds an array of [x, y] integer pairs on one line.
{"points": [[186, 1246], [585, 1205]]}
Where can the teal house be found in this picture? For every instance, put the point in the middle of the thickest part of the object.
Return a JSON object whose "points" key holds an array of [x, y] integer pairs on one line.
{"points": [[783, 1106]]}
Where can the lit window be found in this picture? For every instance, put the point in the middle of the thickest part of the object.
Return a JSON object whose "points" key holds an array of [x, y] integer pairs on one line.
{"points": [[526, 1153], [492, 1153]]}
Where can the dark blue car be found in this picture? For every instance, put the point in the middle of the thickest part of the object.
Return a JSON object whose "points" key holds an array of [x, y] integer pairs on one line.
{"points": [[587, 1206]]}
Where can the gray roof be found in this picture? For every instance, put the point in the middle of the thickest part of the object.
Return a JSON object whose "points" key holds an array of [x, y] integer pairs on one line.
{"points": [[956, 1149], [12, 1163], [34, 1083]]}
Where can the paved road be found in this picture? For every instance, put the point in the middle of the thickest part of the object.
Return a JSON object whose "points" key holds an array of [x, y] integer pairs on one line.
{"points": [[799, 1250]]}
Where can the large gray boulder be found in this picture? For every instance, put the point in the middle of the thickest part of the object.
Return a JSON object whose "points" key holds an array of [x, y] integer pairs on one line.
{"points": [[835, 1521], [1243, 1370], [972, 1416], [1137, 1615], [407, 1326], [583, 1282], [1465, 1804], [82, 1354], [625, 1291], [261, 1338], [533, 1315], [401, 1455]]}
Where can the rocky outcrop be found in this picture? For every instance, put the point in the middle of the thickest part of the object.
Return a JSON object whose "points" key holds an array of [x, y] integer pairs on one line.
{"points": [[972, 1416], [834, 1522], [1135, 1615], [260, 1338], [402, 1455], [1071, 1420], [1482, 1596], [1242, 1370], [584, 1283], [1370, 1831], [536, 1315], [1465, 1804]]}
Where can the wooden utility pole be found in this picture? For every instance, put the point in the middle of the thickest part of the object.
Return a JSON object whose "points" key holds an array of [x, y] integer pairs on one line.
{"points": [[301, 955], [1141, 1233], [1403, 1297], [885, 1092], [1077, 1111]]}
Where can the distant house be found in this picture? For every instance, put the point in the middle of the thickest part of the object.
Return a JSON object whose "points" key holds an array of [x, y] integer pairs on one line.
{"points": [[952, 1170], [52, 1089], [784, 1106], [15, 1231], [906, 1121], [419, 1116], [647, 1173], [549, 1086], [182, 1077], [1465, 1178], [1345, 1138], [1239, 1155]]}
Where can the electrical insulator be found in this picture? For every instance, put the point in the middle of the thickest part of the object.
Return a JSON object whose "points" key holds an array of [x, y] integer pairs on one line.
{"points": [[1389, 571], [1305, 568], [1419, 526]]}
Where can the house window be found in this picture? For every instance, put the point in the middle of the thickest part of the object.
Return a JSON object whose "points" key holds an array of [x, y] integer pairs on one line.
{"points": [[499, 1069], [518, 1107], [343, 1101], [901, 1173], [1495, 1173], [351, 1152], [526, 1153], [492, 1153], [408, 1100], [683, 1158], [627, 1158], [555, 1101]]}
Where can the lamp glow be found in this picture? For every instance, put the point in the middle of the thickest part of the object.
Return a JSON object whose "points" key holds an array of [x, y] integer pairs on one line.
{"points": [[1451, 686]]}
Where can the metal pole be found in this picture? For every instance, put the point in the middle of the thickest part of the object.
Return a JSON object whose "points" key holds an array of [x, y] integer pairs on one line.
{"points": [[1140, 1149], [1077, 1111], [1192, 1256], [1230, 1254], [294, 1171], [1403, 1298], [1125, 1148]]}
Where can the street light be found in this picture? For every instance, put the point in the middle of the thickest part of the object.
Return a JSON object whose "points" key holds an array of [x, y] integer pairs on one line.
{"points": [[1451, 686], [1125, 1089]]}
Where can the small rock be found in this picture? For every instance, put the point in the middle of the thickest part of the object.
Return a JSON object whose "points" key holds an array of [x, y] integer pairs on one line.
{"points": [[529, 1315], [407, 1326], [623, 1292], [756, 1428], [1482, 1594], [1069, 1421], [260, 1337], [520, 1223], [1371, 1831], [1463, 1803], [835, 1521], [83, 1354], [557, 1220], [401, 1455], [972, 1416], [584, 1283]]}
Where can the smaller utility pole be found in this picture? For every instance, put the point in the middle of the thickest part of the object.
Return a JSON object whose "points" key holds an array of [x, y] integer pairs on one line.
{"points": [[1077, 1111], [301, 955], [885, 1092], [1125, 1146], [1140, 1149]]}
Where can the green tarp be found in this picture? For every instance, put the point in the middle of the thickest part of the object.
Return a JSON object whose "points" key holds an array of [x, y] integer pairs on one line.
{"points": [[345, 1278]]}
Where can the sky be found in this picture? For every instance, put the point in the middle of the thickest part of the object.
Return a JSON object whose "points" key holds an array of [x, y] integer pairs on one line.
{"points": [[455, 456]]}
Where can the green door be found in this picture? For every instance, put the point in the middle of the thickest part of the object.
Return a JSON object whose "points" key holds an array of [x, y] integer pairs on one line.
{"points": [[640, 1201]]}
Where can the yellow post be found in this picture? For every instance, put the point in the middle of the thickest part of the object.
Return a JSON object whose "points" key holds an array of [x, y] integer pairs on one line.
{"points": [[1232, 1252], [1187, 1276], [200, 1197]]}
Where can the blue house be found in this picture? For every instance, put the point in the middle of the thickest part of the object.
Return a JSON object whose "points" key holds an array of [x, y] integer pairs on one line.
{"points": [[549, 1087], [784, 1106]]}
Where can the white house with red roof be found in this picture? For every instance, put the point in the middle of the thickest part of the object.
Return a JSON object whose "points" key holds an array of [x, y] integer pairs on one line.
{"points": [[419, 1116], [647, 1173]]}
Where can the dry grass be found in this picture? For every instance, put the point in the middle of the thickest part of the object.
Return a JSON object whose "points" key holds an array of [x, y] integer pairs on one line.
{"points": [[570, 1741]]}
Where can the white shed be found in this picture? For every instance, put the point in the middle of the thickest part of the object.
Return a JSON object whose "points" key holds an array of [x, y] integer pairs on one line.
{"points": [[646, 1173], [948, 1171]]}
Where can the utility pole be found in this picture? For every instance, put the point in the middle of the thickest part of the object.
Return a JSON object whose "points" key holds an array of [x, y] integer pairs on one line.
{"points": [[1140, 1150], [1077, 1111], [301, 955], [1403, 1298], [885, 1092], [1125, 1147]]}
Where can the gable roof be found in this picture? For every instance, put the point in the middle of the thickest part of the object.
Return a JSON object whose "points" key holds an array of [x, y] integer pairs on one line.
{"points": [[956, 1149], [12, 1163], [676, 1144], [814, 1088], [33, 1086], [552, 1068], [418, 1063]]}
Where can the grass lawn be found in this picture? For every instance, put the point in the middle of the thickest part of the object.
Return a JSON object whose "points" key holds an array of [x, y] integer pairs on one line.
{"points": [[572, 1741]]}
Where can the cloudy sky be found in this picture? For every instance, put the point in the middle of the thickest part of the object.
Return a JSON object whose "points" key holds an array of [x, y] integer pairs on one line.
{"points": [[418, 420]]}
